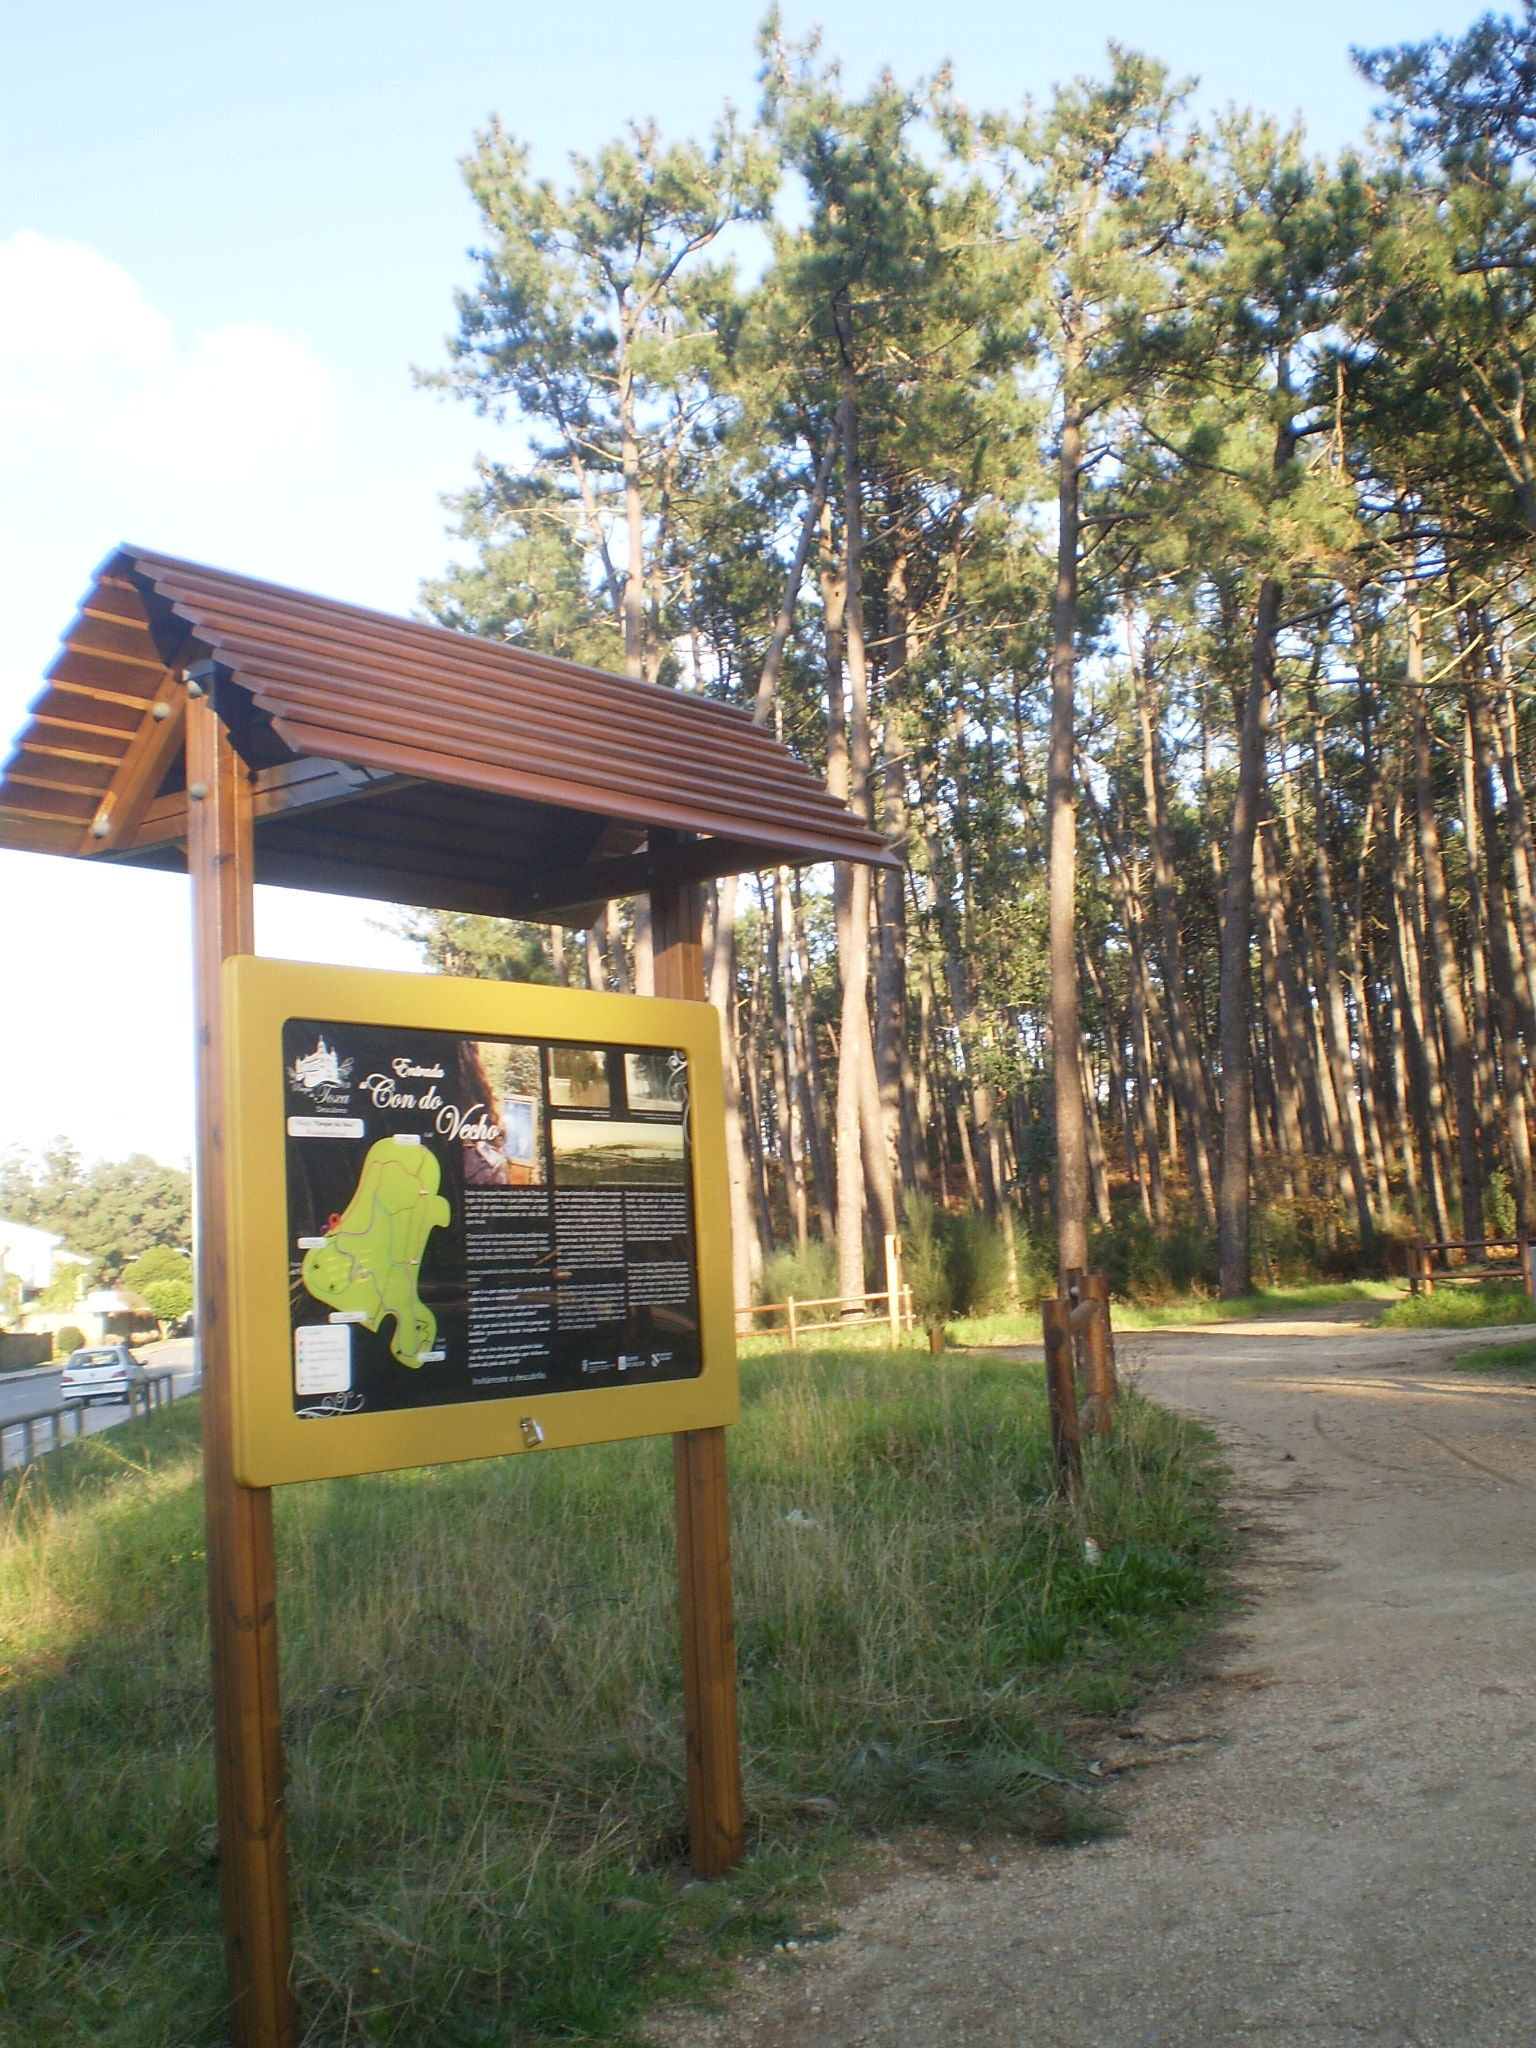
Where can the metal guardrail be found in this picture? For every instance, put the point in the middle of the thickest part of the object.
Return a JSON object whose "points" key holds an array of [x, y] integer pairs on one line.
{"points": [[157, 1389]]}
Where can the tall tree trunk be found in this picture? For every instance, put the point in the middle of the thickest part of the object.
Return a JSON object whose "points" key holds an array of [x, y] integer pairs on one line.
{"points": [[1061, 812], [1336, 1023], [1425, 1094], [1442, 951], [1300, 1121], [634, 511], [1185, 1075], [860, 1148], [1513, 1094], [1234, 1195], [788, 1062], [1523, 852], [1484, 1071], [746, 1245], [814, 1091]]}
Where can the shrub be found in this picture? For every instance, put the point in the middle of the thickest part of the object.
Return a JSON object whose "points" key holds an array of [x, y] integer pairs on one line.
{"points": [[160, 1262], [169, 1299], [925, 1260], [1462, 1308], [956, 1264], [803, 1272], [978, 1263], [68, 1339], [1154, 1266]]}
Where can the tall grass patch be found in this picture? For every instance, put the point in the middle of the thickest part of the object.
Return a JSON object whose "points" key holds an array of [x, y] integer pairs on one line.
{"points": [[1518, 1359], [481, 1698], [1466, 1307]]}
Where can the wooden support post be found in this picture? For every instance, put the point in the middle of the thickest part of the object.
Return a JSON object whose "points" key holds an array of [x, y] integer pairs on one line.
{"points": [[1061, 1393], [1528, 1265], [794, 1333], [716, 1824], [1098, 1346], [242, 1603], [893, 1287]]}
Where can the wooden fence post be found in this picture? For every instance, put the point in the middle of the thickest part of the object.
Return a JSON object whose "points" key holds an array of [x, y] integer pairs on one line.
{"points": [[716, 1823], [893, 1287], [242, 1596], [794, 1331], [1061, 1393], [1098, 1350]]}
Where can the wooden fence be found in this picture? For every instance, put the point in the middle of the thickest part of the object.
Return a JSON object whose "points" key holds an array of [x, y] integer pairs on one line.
{"points": [[854, 1312], [1466, 1261]]}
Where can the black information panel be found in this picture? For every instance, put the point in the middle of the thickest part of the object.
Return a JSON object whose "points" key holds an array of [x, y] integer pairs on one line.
{"points": [[473, 1218]]}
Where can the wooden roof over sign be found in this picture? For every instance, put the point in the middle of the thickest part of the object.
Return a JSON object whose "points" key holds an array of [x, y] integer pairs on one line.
{"points": [[399, 760]]}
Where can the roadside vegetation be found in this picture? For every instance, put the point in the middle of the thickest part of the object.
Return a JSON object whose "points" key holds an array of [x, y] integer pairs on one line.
{"points": [[1511, 1358], [1024, 1327], [1462, 1308], [481, 1698]]}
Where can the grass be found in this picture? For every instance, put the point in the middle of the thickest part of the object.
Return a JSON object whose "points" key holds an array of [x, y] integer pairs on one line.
{"points": [[480, 1699], [1489, 1303], [1195, 1308], [1512, 1358]]}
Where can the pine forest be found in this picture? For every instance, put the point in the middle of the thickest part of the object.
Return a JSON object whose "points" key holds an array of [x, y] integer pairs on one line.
{"points": [[1131, 513]]}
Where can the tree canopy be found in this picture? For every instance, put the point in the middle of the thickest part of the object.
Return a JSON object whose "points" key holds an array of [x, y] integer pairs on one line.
{"points": [[1132, 514], [113, 1211]]}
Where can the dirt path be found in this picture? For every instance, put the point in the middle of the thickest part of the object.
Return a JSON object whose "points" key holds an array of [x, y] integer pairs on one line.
{"points": [[1330, 1840]]}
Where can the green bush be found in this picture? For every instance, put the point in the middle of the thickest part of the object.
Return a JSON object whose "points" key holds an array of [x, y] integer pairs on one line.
{"points": [[160, 1262], [925, 1260], [956, 1264], [1155, 1266], [169, 1299], [1462, 1308], [801, 1273], [68, 1339], [978, 1264]]}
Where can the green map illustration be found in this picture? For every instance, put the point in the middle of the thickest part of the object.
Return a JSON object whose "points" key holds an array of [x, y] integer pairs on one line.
{"points": [[372, 1253]]}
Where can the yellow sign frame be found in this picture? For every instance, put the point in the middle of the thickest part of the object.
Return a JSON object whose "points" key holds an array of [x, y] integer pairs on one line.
{"points": [[275, 1447]]}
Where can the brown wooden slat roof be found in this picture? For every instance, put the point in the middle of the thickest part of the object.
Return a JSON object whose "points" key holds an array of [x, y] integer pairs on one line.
{"points": [[396, 759]]}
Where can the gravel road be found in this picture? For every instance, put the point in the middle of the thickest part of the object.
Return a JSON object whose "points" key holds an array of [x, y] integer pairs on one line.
{"points": [[1330, 1835]]}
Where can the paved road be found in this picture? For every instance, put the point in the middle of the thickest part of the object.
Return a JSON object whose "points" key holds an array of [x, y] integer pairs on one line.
{"points": [[1331, 1834], [24, 1394]]}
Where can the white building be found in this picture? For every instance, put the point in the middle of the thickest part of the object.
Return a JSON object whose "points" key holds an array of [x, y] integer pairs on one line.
{"points": [[32, 1256]]}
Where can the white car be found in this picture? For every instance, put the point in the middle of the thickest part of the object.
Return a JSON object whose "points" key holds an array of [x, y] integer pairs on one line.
{"points": [[102, 1372]]}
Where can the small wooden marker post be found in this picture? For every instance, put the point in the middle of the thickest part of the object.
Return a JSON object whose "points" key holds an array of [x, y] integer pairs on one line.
{"points": [[893, 1288], [1089, 1294], [1061, 1393], [716, 1823]]}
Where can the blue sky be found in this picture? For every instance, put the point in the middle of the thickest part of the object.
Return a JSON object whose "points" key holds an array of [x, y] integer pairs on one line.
{"points": [[228, 231]]}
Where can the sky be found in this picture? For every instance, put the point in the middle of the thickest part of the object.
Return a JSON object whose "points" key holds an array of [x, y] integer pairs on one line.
{"points": [[228, 232]]}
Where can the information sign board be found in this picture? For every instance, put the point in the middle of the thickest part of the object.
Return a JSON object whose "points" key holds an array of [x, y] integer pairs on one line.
{"points": [[469, 1218]]}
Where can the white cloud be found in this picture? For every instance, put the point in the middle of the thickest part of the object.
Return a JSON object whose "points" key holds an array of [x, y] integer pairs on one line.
{"points": [[89, 366], [64, 304]]}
